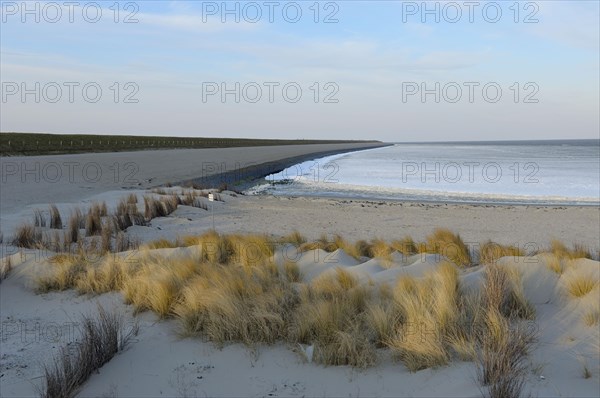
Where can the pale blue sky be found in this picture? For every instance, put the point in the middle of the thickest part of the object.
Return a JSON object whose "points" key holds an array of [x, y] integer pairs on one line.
{"points": [[370, 54]]}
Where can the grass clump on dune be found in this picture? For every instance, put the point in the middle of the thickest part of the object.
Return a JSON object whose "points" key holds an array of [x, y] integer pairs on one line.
{"points": [[131, 199], [591, 316], [292, 272], [428, 308], [39, 220], [331, 316], [104, 277], [490, 252], [214, 248], [161, 207], [236, 304], [93, 220], [503, 363], [248, 250], [155, 285], [376, 248], [103, 336], [127, 213], [153, 208], [27, 236], [295, 238], [186, 196], [124, 242], [553, 263], [504, 292], [383, 316], [406, 246], [63, 273], [504, 341], [379, 248], [346, 347], [446, 243], [322, 243], [331, 245], [162, 244], [55, 219], [560, 250], [579, 283], [331, 284], [252, 250], [75, 223]]}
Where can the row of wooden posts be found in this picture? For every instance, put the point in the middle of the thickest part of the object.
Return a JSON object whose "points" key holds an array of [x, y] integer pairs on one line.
{"points": [[150, 143]]}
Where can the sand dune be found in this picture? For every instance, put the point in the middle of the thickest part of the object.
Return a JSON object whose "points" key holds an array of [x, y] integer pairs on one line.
{"points": [[160, 361]]}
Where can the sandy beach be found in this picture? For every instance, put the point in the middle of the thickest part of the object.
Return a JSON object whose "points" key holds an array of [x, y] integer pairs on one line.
{"points": [[366, 219], [161, 361]]}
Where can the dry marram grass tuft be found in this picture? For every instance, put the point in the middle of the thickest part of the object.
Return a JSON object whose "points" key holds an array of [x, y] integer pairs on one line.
{"points": [[55, 219], [27, 236], [428, 308], [490, 252], [449, 245], [102, 337], [578, 282]]}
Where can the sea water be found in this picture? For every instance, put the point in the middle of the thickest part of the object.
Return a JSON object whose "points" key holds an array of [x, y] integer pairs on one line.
{"points": [[535, 172]]}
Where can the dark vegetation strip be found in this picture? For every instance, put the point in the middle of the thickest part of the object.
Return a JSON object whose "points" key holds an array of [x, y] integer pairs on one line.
{"points": [[30, 144]]}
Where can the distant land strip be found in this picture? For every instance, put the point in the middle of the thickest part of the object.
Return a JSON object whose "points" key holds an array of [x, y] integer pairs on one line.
{"points": [[33, 144]]}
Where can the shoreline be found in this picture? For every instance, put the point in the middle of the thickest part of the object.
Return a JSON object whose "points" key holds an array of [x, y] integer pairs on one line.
{"points": [[429, 201], [244, 178]]}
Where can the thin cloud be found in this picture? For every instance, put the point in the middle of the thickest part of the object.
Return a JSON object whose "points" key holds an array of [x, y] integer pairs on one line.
{"points": [[195, 23]]}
